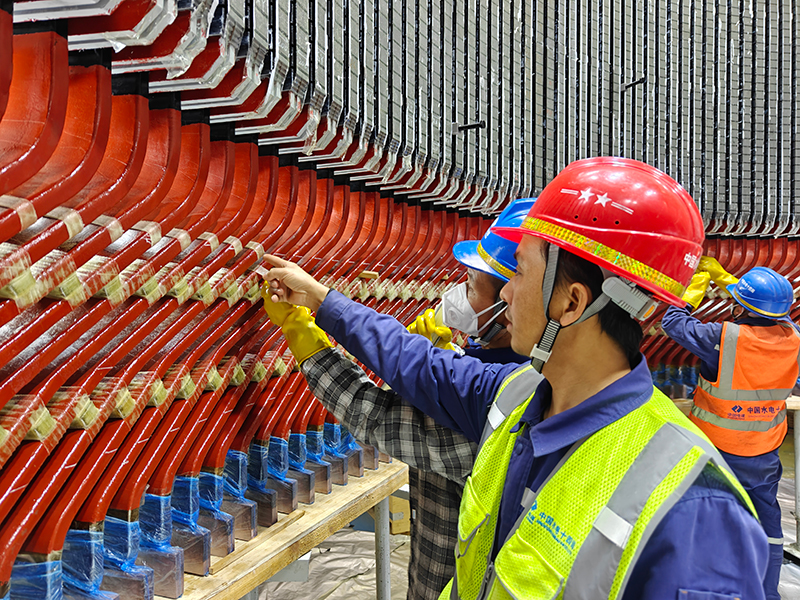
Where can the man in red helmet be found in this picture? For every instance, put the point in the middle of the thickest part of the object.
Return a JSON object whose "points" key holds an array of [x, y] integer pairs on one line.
{"points": [[590, 484]]}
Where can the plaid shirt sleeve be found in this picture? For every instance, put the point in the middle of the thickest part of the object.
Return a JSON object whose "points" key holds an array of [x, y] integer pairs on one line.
{"points": [[382, 418]]}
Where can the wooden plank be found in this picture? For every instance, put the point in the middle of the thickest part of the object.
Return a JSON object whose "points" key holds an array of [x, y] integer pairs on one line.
{"points": [[277, 546]]}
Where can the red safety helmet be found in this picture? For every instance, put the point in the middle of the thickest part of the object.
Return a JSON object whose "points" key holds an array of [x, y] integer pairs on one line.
{"points": [[624, 216]]}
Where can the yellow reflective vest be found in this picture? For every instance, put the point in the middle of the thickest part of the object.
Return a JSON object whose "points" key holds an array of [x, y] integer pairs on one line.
{"points": [[581, 533]]}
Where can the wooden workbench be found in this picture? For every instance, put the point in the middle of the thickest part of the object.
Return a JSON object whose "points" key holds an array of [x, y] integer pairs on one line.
{"points": [[294, 534]]}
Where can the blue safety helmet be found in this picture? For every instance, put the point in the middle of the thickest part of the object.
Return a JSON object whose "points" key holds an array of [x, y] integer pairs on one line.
{"points": [[763, 291], [493, 254]]}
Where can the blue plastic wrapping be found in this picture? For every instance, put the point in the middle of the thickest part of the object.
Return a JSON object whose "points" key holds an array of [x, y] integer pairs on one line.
{"points": [[37, 581], [155, 521], [82, 560], [186, 500], [297, 450], [121, 548], [333, 435], [268, 461], [348, 442], [75, 594], [659, 375], [121, 543], [673, 376], [257, 463], [211, 487], [236, 473], [277, 458], [332, 438], [689, 379], [314, 445]]}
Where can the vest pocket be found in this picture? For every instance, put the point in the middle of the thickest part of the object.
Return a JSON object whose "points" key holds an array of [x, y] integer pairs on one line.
{"points": [[521, 572], [471, 518]]}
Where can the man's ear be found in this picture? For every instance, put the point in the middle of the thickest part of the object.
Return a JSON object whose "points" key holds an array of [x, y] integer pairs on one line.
{"points": [[569, 302]]}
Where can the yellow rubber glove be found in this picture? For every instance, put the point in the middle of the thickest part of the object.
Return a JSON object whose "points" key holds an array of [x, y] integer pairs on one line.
{"points": [[425, 325], [697, 289], [718, 274], [305, 339]]}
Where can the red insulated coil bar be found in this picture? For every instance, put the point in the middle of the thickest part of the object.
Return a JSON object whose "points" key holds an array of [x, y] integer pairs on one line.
{"points": [[41, 497], [116, 174], [35, 111], [142, 175], [77, 155], [6, 49]]}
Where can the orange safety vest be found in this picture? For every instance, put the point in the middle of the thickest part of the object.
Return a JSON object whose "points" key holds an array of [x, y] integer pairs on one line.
{"points": [[744, 411]]}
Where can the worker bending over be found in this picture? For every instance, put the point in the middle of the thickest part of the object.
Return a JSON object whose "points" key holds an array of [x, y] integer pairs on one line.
{"points": [[439, 458], [591, 484], [747, 370]]}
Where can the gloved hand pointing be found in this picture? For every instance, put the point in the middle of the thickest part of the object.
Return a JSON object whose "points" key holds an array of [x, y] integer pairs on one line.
{"points": [[697, 289], [305, 339], [288, 282], [718, 274], [425, 325]]}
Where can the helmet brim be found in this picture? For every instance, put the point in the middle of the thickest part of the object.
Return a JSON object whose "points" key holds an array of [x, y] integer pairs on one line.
{"points": [[466, 252]]}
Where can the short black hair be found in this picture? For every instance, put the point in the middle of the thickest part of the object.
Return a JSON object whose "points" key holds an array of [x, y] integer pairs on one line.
{"points": [[614, 321]]}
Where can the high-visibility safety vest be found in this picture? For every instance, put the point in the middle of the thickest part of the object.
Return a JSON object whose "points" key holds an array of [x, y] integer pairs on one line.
{"points": [[580, 535], [743, 412]]}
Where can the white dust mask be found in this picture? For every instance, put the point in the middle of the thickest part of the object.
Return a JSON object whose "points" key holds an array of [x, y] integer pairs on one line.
{"points": [[457, 312]]}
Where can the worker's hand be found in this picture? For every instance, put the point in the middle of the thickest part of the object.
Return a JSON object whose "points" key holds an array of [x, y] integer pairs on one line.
{"points": [[276, 311], [303, 336], [289, 283], [425, 325], [697, 289], [718, 274]]}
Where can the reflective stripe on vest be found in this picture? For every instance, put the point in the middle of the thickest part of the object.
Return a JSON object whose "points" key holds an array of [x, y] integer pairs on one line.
{"points": [[743, 395], [515, 389], [735, 425], [568, 540], [737, 414], [595, 567]]}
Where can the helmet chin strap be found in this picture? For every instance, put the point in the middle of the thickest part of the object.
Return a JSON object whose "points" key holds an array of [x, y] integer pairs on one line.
{"points": [[541, 351]]}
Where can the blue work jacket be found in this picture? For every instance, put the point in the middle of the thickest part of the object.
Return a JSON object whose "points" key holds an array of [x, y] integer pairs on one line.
{"points": [[707, 542], [490, 355]]}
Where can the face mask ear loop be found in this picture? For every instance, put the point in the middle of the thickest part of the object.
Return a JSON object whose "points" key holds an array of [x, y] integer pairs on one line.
{"points": [[541, 351], [491, 326]]}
